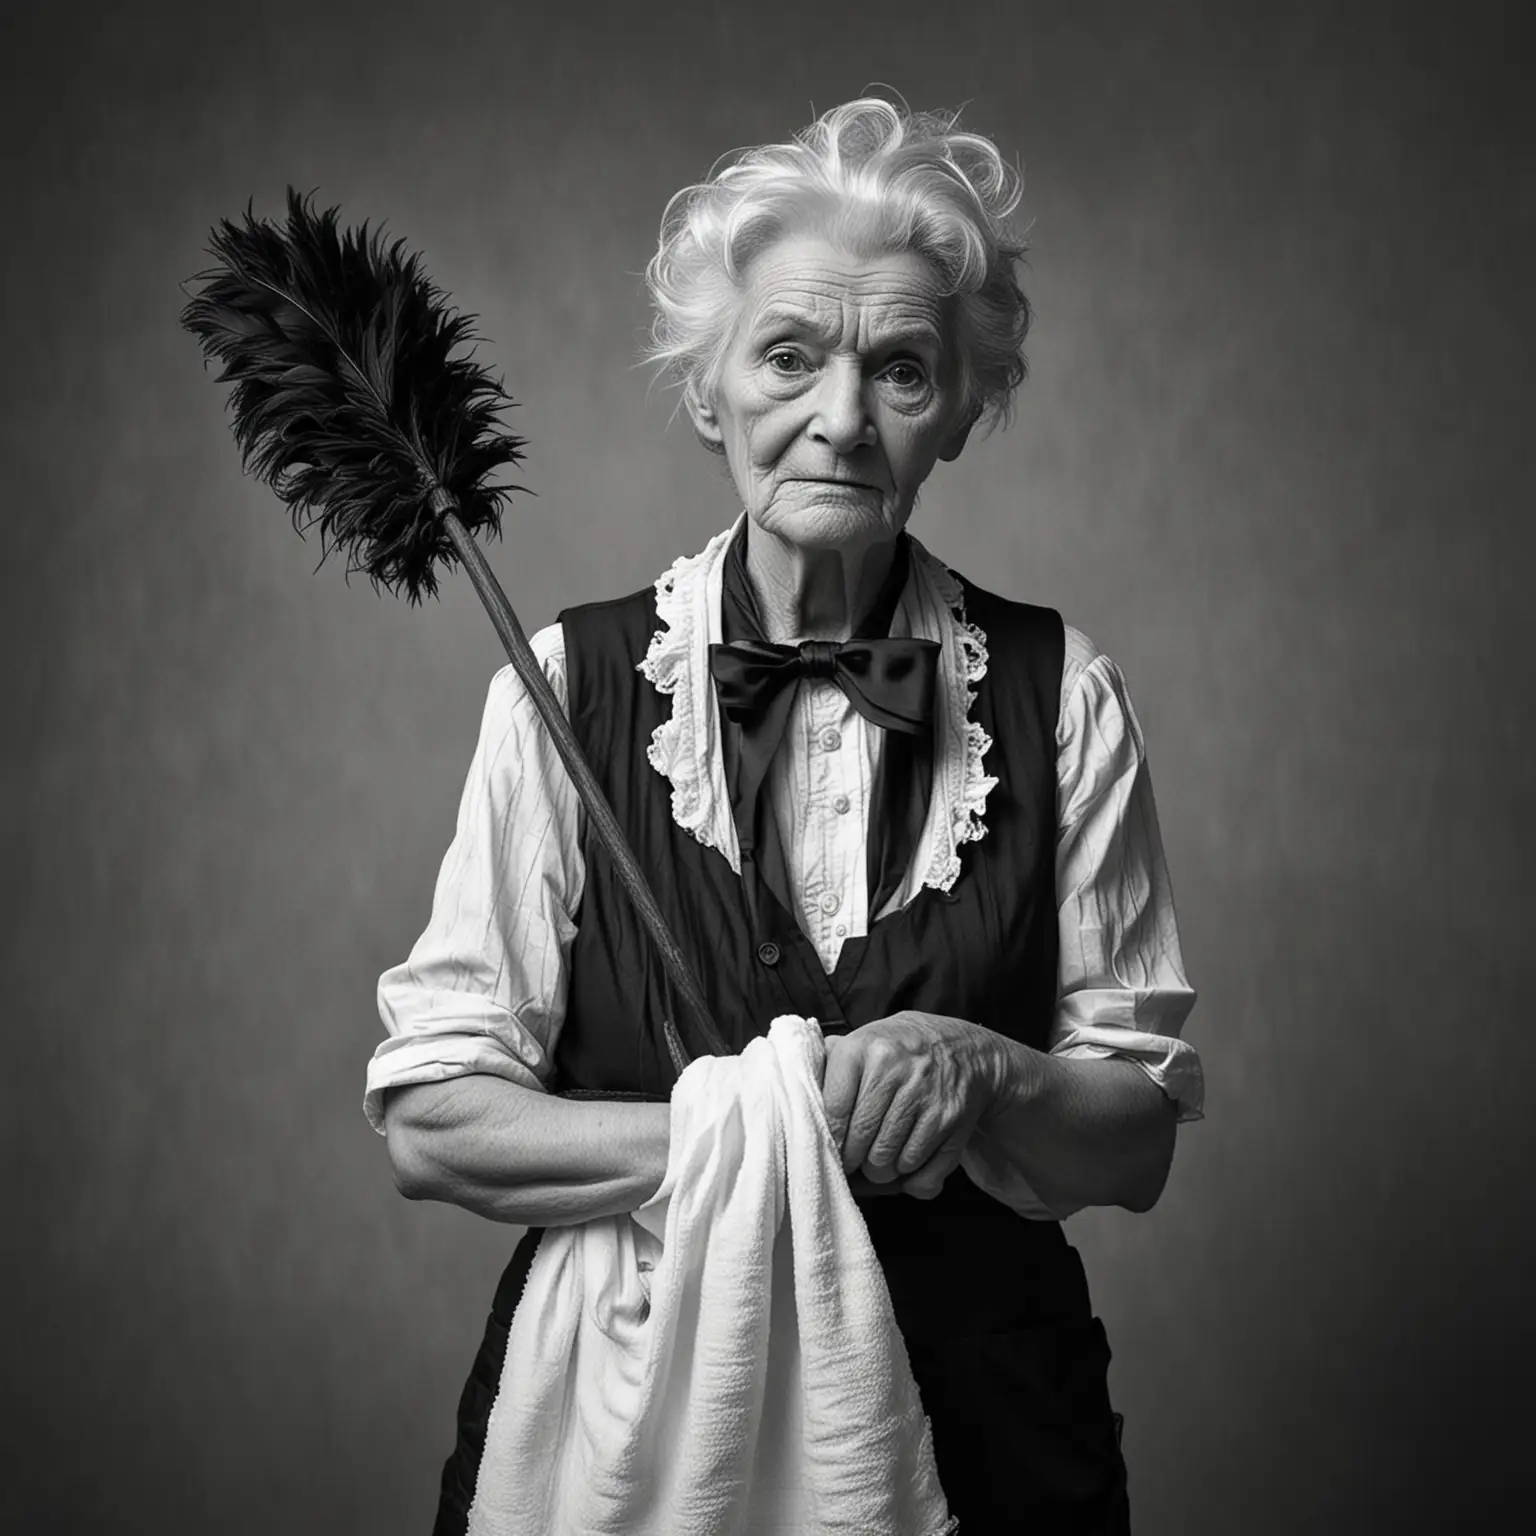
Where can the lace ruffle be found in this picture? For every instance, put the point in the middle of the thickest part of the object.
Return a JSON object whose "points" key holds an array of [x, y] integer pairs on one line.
{"points": [[685, 748], [961, 782]]}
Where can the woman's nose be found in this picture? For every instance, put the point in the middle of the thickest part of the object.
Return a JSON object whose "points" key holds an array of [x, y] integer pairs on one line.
{"points": [[842, 418]]}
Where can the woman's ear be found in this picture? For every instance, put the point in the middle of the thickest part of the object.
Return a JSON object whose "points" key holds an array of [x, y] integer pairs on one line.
{"points": [[703, 417]]}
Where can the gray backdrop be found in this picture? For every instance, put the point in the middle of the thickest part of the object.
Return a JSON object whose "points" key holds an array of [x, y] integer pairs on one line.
{"points": [[1274, 456]]}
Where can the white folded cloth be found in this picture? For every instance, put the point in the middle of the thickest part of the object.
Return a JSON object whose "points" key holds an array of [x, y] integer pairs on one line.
{"points": [[706, 1367]]}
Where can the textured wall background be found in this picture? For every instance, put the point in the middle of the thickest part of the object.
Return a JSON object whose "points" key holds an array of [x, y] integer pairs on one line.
{"points": [[1274, 456]]}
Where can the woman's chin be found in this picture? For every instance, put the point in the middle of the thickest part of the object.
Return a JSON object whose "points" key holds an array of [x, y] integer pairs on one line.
{"points": [[830, 518]]}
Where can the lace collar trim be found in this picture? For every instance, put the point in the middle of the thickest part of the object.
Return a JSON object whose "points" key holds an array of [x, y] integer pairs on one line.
{"points": [[686, 749]]}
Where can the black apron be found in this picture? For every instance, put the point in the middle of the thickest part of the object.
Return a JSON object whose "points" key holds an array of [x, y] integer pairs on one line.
{"points": [[1008, 1357]]}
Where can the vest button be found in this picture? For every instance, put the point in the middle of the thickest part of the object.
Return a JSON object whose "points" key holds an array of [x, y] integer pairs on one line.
{"points": [[768, 953]]}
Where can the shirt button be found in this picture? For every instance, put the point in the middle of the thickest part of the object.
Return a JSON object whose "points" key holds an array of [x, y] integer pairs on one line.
{"points": [[840, 805], [841, 930], [830, 902], [768, 953], [831, 738]]}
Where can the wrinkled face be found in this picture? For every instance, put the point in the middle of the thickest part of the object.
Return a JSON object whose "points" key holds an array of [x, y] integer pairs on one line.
{"points": [[838, 394]]}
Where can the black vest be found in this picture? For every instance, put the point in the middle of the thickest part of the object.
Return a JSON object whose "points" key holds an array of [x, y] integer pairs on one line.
{"points": [[984, 951]]}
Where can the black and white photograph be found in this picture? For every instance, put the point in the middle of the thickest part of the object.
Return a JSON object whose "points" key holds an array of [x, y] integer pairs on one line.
{"points": [[771, 768]]}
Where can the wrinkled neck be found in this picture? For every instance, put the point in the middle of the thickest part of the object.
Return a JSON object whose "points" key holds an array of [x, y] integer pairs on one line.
{"points": [[814, 594]]}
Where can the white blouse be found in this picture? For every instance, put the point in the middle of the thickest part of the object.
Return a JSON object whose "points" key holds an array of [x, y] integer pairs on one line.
{"points": [[484, 987]]}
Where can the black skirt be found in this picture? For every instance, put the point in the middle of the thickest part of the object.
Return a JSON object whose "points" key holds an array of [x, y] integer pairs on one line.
{"points": [[1010, 1362]]}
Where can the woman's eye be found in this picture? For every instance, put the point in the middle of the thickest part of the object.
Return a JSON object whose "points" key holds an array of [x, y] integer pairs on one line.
{"points": [[784, 361], [905, 375]]}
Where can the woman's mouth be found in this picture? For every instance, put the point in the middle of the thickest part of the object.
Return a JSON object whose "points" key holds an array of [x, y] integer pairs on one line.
{"points": [[839, 483]]}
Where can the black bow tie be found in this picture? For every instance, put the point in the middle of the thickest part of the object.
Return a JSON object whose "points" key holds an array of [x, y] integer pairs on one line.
{"points": [[890, 682]]}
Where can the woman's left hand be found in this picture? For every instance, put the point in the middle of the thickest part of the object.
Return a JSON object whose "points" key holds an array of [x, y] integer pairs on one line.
{"points": [[903, 1095]]}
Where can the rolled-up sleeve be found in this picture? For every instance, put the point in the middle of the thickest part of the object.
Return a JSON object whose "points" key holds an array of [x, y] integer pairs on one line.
{"points": [[1122, 987], [483, 989]]}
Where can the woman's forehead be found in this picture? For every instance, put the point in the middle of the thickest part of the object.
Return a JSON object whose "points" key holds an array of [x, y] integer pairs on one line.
{"points": [[814, 285]]}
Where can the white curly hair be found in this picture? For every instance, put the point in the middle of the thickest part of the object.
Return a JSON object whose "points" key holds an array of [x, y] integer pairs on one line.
{"points": [[871, 176]]}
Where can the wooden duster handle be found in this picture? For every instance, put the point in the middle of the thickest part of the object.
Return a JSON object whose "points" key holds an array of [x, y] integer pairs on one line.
{"points": [[604, 822]]}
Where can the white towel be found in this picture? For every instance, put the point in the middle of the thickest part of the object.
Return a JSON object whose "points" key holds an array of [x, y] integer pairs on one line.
{"points": [[705, 1367]]}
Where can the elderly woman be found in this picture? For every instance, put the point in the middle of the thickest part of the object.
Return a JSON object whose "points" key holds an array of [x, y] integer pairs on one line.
{"points": [[865, 791]]}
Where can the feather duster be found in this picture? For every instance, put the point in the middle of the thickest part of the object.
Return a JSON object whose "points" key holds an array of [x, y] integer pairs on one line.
{"points": [[352, 400], [348, 399]]}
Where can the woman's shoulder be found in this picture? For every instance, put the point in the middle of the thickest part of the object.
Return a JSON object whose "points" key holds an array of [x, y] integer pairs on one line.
{"points": [[508, 694], [551, 644], [625, 623], [1078, 653]]}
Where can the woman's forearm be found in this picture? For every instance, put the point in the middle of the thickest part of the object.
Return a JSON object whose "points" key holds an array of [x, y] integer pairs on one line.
{"points": [[1082, 1131], [513, 1154]]}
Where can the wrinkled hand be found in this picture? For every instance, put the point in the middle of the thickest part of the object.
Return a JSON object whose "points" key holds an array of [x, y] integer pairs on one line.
{"points": [[903, 1095]]}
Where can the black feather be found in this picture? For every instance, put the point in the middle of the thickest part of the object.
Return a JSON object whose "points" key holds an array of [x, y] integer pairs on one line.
{"points": [[348, 398]]}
